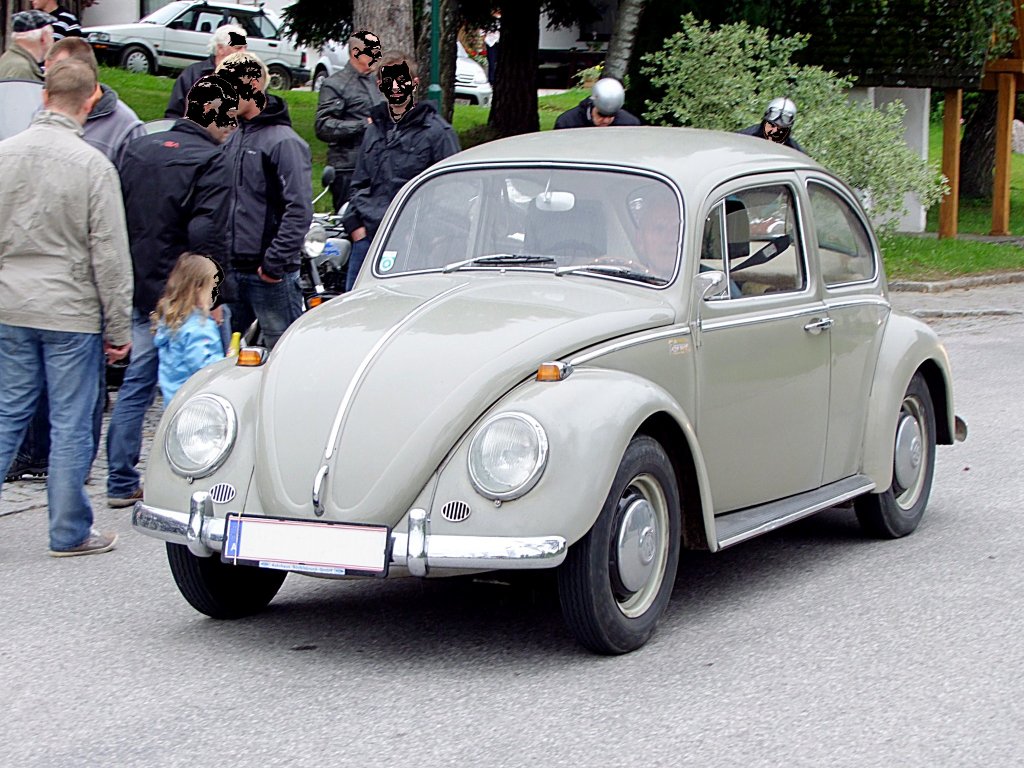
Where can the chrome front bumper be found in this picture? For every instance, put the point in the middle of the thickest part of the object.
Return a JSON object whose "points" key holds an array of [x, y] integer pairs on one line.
{"points": [[415, 548]]}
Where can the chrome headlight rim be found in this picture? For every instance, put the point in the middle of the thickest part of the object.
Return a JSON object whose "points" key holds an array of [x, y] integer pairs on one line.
{"points": [[540, 463], [314, 241], [231, 422]]}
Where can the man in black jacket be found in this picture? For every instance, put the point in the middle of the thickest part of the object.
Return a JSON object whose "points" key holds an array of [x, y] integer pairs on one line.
{"points": [[272, 203], [602, 108], [403, 139], [226, 40], [176, 186], [777, 124], [343, 111]]}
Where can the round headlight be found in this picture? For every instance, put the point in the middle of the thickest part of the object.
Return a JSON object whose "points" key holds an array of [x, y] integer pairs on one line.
{"points": [[200, 436], [507, 455], [315, 240]]}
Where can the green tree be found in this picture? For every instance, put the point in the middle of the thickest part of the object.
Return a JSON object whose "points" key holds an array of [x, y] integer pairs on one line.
{"points": [[720, 78]]}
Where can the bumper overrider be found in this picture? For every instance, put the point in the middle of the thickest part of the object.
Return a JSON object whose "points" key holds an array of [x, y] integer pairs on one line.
{"points": [[415, 548]]}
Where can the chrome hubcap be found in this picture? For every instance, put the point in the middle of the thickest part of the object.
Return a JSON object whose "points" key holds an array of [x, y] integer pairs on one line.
{"points": [[640, 548], [137, 63], [910, 457], [637, 545]]}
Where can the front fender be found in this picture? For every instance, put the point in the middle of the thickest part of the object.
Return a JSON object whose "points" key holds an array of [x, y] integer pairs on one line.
{"points": [[589, 418], [908, 345]]}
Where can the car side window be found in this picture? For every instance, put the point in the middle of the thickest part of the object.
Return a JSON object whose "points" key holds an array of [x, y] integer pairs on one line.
{"points": [[263, 28], [751, 235], [844, 248]]}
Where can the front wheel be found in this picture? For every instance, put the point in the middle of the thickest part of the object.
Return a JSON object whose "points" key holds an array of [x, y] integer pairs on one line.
{"points": [[219, 590], [318, 80], [136, 59], [280, 78], [616, 581], [897, 511]]}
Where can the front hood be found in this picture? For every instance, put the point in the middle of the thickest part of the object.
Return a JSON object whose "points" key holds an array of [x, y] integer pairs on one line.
{"points": [[122, 30], [404, 367]]}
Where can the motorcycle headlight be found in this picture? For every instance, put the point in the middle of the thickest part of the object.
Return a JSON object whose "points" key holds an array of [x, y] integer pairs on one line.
{"points": [[507, 456], [98, 37], [200, 436], [315, 240]]}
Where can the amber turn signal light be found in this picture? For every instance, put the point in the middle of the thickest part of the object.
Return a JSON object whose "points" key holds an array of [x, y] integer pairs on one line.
{"points": [[252, 356], [553, 371], [315, 301]]}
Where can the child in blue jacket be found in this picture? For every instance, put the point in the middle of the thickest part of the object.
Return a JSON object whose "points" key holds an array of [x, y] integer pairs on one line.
{"points": [[186, 337]]}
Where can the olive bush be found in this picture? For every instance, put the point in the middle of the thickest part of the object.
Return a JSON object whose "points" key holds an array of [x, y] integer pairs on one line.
{"points": [[722, 79]]}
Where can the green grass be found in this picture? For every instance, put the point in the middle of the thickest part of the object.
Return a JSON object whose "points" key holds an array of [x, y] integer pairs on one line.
{"points": [[906, 257]]}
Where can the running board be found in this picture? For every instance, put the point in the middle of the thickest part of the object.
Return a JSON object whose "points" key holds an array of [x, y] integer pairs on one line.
{"points": [[734, 527]]}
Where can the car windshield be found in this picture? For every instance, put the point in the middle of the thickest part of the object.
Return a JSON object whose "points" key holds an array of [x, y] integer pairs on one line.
{"points": [[568, 221], [167, 13]]}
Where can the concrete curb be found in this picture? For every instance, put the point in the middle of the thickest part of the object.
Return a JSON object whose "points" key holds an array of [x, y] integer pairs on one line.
{"points": [[972, 281]]}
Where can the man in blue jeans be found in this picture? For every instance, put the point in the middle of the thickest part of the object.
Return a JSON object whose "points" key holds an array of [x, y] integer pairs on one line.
{"points": [[271, 205], [81, 255], [176, 187]]}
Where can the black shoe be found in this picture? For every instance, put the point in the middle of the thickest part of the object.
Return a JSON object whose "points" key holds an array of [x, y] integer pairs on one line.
{"points": [[26, 470]]}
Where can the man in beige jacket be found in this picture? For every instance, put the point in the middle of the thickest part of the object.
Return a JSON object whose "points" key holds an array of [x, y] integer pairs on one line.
{"points": [[65, 293]]}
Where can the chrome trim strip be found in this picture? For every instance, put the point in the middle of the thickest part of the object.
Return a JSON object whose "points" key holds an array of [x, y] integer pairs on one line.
{"points": [[838, 303], [455, 552], [756, 319], [364, 366], [618, 346]]}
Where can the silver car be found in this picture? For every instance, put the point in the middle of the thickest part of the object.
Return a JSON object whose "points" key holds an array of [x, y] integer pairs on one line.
{"points": [[582, 350]]}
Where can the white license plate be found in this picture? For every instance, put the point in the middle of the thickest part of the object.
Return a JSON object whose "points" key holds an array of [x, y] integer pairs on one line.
{"points": [[301, 545]]}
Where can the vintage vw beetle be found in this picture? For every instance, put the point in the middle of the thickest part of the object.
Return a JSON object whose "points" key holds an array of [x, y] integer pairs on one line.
{"points": [[584, 350]]}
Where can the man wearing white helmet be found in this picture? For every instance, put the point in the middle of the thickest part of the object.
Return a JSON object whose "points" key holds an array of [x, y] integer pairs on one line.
{"points": [[777, 124], [602, 108]]}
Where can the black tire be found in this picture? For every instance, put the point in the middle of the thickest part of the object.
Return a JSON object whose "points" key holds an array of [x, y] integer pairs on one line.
{"points": [[612, 602], [897, 511], [280, 78], [219, 590], [137, 59]]}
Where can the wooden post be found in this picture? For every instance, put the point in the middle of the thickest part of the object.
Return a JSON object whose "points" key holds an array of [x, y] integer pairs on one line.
{"points": [[949, 206], [1004, 139]]}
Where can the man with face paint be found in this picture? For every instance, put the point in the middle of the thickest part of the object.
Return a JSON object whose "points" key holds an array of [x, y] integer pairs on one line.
{"points": [[602, 108], [226, 40], [403, 139], [176, 187], [271, 203], [343, 111], [777, 124]]}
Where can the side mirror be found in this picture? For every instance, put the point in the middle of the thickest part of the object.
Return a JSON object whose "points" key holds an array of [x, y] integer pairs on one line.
{"points": [[711, 285], [328, 176]]}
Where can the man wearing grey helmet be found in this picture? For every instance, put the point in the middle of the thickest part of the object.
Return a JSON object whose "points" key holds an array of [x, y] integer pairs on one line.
{"points": [[777, 124], [602, 108]]}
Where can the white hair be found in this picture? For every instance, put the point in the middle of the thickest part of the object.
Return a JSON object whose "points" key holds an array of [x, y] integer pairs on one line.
{"points": [[222, 36]]}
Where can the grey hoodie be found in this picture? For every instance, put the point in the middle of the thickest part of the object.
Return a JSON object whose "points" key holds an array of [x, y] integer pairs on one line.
{"points": [[111, 125]]}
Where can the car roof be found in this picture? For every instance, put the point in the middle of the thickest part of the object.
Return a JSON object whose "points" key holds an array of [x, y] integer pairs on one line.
{"points": [[695, 159]]}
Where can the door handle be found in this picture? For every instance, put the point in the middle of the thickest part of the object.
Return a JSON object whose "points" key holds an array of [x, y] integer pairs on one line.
{"points": [[818, 325]]}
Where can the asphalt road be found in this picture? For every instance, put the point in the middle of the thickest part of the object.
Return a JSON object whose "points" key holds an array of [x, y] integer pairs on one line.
{"points": [[812, 646]]}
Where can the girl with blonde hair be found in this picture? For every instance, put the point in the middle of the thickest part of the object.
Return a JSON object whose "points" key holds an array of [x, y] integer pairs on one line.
{"points": [[185, 337]]}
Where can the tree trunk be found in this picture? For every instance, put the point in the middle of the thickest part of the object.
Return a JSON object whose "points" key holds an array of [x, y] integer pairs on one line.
{"points": [[446, 61], [620, 49], [514, 109], [390, 21], [978, 149]]}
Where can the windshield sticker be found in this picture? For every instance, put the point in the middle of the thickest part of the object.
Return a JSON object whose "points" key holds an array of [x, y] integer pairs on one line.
{"points": [[387, 261]]}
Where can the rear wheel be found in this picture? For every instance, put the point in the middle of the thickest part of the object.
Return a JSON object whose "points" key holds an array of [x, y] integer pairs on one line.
{"points": [[136, 59], [897, 511], [318, 79], [616, 581], [280, 78], [219, 590]]}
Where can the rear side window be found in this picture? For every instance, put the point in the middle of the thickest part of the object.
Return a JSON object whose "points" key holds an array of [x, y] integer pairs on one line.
{"points": [[844, 247]]}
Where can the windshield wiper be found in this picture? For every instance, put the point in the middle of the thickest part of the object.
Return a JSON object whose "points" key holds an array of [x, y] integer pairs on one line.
{"points": [[499, 258], [611, 269]]}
